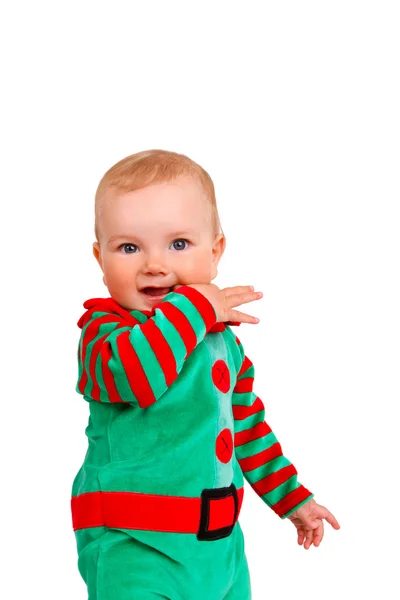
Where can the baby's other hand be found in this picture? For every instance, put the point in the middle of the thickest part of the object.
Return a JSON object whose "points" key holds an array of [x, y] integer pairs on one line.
{"points": [[309, 524]]}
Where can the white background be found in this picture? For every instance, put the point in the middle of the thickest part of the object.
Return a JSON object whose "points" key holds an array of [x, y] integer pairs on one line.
{"points": [[293, 109]]}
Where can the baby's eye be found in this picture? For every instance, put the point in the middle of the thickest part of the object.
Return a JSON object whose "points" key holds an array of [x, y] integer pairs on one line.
{"points": [[128, 246], [180, 242]]}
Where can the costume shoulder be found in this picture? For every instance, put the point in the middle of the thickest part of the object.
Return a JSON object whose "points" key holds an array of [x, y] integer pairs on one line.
{"points": [[135, 355], [104, 306]]}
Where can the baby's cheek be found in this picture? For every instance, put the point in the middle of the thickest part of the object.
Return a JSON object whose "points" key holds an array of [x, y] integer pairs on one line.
{"points": [[118, 271], [198, 271]]}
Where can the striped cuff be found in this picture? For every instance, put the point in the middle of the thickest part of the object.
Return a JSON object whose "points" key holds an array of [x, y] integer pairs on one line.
{"points": [[292, 501], [201, 303]]}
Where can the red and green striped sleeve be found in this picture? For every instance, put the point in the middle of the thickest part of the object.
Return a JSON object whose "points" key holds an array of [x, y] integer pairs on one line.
{"points": [[270, 474], [135, 359]]}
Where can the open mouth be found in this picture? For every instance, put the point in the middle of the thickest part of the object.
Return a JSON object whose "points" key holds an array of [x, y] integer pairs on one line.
{"points": [[155, 293]]}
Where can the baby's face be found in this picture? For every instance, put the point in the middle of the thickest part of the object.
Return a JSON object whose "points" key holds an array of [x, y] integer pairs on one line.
{"points": [[158, 236]]}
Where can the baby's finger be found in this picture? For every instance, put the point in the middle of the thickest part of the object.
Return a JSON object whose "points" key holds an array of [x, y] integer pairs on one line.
{"points": [[324, 513], [318, 534], [238, 289], [238, 299], [300, 536], [236, 315], [332, 521], [309, 538]]}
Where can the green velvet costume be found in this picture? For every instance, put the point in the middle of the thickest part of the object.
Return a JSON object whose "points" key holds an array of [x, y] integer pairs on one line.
{"points": [[174, 427]]}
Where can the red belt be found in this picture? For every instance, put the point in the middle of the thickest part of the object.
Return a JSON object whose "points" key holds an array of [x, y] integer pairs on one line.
{"points": [[211, 517]]}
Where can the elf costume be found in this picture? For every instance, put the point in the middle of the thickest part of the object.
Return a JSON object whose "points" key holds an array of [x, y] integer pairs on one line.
{"points": [[174, 426]]}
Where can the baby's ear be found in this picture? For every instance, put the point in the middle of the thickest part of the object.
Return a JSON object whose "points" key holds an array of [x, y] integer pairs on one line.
{"points": [[97, 253], [218, 248]]}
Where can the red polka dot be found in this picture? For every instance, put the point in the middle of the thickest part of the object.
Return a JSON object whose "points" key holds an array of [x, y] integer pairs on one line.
{"points": [[221, 376], [224, 446]]}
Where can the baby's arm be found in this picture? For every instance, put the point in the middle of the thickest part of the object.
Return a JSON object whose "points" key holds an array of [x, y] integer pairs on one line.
{"points": [[120, 361], [271, 475]]}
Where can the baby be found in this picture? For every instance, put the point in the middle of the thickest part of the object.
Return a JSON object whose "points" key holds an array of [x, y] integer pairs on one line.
{"points": [[174, 425]]}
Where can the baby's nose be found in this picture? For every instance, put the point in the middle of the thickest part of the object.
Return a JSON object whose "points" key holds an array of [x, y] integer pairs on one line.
{"points": [[153, 265]]}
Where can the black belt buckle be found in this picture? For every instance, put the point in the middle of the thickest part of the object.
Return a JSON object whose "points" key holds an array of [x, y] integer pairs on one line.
{"points": [[214, 494]]}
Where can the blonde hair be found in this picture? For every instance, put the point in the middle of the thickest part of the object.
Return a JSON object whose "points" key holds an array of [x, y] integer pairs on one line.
{"points": [[155, 166]]}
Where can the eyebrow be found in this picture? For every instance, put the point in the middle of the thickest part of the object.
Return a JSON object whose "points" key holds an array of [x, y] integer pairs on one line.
{"points": [[114, 238]]}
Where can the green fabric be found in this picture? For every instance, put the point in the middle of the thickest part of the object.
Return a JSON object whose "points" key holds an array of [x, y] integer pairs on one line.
{"points": [[168, 448], [125, 565]]}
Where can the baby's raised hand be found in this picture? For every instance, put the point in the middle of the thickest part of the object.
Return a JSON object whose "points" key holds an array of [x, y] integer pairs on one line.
{"points": [[308, 520], [224, 300]]}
